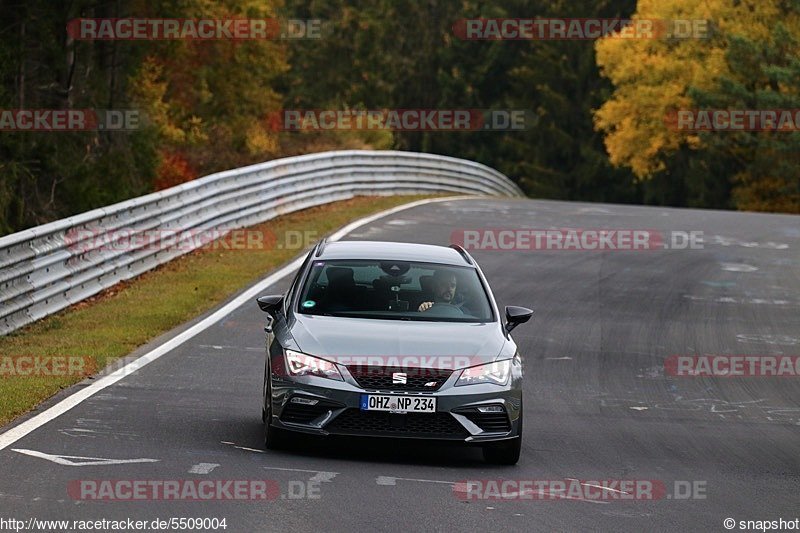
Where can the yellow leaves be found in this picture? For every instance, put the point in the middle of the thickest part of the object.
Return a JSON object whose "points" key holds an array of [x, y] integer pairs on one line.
{"points": [[195, 133], [652, 77], [148, 89], [260, 141], [148, 92], [194, 92], [748, 58]]}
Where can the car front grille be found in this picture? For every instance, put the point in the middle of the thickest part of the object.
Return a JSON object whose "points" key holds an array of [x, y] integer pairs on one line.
{"points": [[379, 423], [417, 379]]}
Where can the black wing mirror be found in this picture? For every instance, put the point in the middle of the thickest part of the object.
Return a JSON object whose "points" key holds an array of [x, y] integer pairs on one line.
{"points": [[270, 304], [516, 316]]}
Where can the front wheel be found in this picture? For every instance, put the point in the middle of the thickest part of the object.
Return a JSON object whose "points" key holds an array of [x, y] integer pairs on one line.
{"points": [[506, 452], [274, 438]]}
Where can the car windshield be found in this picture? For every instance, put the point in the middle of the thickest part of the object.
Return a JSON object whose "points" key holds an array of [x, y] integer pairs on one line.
{"points": [[398, 290]]}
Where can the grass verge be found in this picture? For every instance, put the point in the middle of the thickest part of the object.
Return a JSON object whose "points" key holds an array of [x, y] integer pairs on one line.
{"points": [[94, 333]]}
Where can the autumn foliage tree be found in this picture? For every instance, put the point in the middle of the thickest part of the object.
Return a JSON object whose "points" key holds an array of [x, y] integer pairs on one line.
{"points": [[749, 60], [209, 99], [596, 127]]}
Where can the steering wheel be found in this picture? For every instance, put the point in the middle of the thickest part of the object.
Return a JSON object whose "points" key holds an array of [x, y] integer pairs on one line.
{"points": [[447, 309]]}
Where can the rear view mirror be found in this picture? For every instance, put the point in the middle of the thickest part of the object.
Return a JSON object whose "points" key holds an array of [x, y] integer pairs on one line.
{"points": [[270, 304], [516, 316]]}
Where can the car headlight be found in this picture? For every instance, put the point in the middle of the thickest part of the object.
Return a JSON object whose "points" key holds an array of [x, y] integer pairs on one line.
{"points": [[300, 364], [496, 372]]}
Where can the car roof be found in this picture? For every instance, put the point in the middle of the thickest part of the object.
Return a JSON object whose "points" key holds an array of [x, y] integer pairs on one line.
{"points": [[393, 251]]}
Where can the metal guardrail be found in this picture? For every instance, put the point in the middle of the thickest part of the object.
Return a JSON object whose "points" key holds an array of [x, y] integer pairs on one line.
{"points": [[50, 267]]}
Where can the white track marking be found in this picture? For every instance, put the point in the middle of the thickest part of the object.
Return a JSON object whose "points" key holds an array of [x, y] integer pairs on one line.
{"points": [[17, 432], [203, 468], [319, 475], [217, 347], [784, 340], [64, 460], [731, 300], [737, 267], [594, 210], [604, 488], [245, 448], [556, 494], [392, 481]]}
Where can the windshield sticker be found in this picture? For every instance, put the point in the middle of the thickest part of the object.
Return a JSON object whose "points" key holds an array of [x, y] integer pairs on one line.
{"points": [[309, 303]]}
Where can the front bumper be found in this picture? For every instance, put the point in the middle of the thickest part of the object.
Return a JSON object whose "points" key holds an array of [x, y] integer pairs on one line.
{"points": [[337, 410]]}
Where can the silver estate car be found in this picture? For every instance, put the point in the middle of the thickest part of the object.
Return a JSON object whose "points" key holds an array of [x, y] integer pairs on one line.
{"points": [[394, 340]]}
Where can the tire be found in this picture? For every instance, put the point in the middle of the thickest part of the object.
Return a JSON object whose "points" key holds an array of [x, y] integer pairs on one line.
{"points": [[506, 452], [274, 438]]}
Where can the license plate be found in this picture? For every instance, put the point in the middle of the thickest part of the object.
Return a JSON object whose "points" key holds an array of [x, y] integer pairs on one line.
{"points": [[398, 404]]}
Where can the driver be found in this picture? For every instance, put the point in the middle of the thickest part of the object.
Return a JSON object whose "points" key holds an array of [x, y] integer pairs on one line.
{"points": [[444, 289]]}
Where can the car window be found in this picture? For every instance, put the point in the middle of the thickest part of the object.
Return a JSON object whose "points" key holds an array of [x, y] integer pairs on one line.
{"points": [[395, 290], [287, 302]]}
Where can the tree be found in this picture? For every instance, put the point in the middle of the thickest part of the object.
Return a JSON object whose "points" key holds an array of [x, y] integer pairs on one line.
{"points": [[748, 61]]}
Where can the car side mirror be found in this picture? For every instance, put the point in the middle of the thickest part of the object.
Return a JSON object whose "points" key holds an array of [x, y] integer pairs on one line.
{"points": [[270, 304], [516, 316]]}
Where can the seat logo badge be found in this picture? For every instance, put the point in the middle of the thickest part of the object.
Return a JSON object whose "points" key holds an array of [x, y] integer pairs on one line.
{"points": [[399, 378]]}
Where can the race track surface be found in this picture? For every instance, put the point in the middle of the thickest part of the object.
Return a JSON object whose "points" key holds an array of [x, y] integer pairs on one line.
{"points": [[598, 405]]}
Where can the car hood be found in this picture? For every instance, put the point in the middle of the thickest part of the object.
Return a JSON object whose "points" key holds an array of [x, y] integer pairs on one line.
{"points": [[346, 340]]}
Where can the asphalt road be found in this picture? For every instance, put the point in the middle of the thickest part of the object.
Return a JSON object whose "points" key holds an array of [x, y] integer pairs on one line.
{"points": [[598, 405]]}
